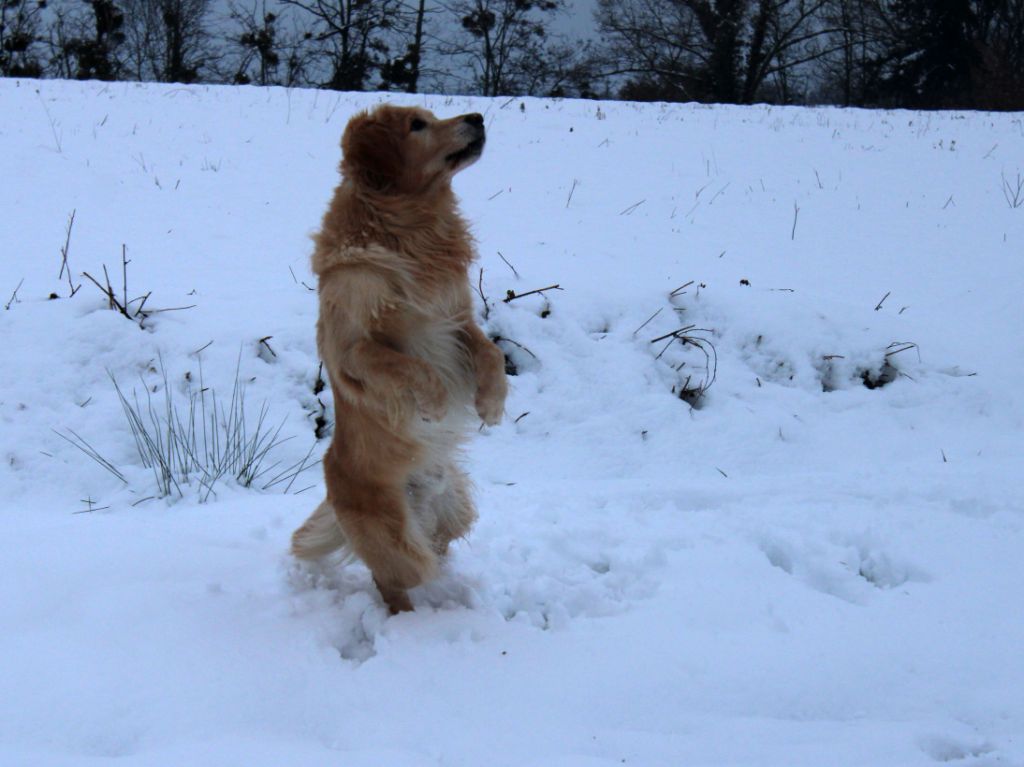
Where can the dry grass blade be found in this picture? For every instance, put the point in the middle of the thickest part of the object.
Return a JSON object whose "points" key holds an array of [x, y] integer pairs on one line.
{"points": [[65, 268], [647, 321], [1013, 191], [76, 440], [681, 289], [897, 347]]}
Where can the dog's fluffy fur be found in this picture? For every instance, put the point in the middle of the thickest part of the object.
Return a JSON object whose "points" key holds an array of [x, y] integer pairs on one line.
{"points": [[408, 366]]}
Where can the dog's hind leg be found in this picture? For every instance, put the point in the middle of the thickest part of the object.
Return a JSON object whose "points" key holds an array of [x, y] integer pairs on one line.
{"points": [[376, 521]]}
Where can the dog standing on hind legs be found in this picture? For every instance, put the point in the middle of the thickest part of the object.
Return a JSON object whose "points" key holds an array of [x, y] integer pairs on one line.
{"points": [[410, 370]]}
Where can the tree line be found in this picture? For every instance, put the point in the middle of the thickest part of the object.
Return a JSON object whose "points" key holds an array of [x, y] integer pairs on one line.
{"points": [[872, 53]]}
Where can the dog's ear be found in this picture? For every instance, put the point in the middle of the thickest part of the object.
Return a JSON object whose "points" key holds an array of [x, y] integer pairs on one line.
{"points": [[371, 152]]}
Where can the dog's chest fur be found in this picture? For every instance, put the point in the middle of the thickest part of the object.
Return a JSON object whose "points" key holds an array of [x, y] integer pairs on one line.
{"points": [[430, 326], [432, 329]]}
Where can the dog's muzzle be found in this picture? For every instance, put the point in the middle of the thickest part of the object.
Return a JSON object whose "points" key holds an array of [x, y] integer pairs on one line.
{"points": [[472, 127]]}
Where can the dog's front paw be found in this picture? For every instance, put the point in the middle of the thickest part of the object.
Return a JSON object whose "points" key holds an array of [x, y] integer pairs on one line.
{"points": [[490, 399], [491, 384], [490, 409], [431, 395]]}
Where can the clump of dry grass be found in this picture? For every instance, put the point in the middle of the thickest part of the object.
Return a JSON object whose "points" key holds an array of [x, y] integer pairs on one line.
{"points": [[196, 439]]}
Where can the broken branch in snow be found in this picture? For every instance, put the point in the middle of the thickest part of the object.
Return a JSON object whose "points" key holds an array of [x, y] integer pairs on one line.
{"points": [[264, 342], [511, 295], [674, 333], [124, 306]]}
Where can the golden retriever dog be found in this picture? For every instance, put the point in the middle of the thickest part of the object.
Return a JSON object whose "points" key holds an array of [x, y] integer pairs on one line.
{"points": [[408, 366]]}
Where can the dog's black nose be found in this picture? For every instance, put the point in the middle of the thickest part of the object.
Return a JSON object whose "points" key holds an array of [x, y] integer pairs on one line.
{"points": [[475, 119]]}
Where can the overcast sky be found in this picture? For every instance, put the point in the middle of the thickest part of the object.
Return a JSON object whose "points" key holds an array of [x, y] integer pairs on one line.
{"points": [[578, 20]]}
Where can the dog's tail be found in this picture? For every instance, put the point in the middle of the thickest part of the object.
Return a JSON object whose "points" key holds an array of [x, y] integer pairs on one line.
{"points": [[319, 535]]}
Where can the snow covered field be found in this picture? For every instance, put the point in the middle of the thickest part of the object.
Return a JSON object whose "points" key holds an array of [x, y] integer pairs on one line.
{"points": [[802, 571]]}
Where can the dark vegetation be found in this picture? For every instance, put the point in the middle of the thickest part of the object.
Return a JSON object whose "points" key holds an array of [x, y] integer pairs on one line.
{"points": [[923, 54]]}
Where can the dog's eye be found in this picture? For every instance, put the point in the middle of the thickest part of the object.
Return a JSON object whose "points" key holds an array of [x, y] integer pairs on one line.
{"points": [[417, 124]]}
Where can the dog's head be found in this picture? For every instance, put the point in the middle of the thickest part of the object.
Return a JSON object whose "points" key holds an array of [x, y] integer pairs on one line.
{"points": [[406, 150]]}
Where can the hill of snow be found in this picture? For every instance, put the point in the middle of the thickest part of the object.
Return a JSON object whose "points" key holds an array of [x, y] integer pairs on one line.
{"points": [[818, 564]]}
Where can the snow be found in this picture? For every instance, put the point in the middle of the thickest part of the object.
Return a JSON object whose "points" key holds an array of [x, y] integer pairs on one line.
{"points": [[800, 571]]}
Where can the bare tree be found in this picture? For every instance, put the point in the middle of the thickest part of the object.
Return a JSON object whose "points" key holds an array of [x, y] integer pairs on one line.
{"points": [[848, 73], [560, 69], [946, 53], [168, 40], [252, 38], [711, 50], [1001, 25], [20, 39], [349, 40], [85, 39], [403, 72], [501, 44]]}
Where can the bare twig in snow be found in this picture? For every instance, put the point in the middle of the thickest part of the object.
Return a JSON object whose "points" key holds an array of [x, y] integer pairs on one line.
{"points": [[518, 345], [511, 295], [896, 347], [53, 124], [123, 306], [682, 288], [647, 321], [720, 192], [263, 342], [483, 298], [14, 295], [631, 208], [509, 265], [64, 266]]}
